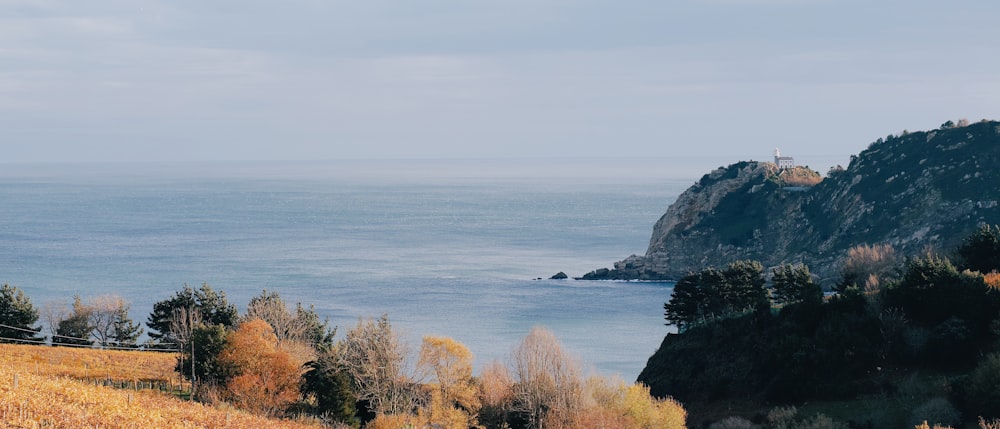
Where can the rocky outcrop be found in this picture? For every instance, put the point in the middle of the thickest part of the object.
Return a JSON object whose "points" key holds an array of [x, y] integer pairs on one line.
{"points": [[918, 190]]}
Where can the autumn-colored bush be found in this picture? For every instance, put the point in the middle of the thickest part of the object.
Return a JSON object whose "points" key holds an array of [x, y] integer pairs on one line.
{"points": [[454, 398], [612, 403], [265, 378], [869, 267]]}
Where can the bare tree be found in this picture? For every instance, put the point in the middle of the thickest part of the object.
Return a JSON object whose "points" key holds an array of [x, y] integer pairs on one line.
{"points": [[270, 308], [52, 313], [549, 381], [102, 315], [183, 322], [375, 359]]}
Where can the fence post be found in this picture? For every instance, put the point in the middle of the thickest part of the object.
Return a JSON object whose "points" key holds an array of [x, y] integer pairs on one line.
{"points": [[15, 381]]}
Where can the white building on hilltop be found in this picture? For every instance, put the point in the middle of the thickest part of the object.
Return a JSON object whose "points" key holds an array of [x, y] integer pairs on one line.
{"points": [[783, 161]]}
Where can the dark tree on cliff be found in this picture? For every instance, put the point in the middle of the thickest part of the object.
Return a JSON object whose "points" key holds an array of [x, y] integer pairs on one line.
{"points": [[711, 294], [981, 251], [212, 306], [688, 304], [17, 312], [793, 283], [744, 286]]}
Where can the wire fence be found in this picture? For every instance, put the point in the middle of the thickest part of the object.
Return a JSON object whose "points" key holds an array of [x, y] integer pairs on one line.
{"points": [[50, 339]]}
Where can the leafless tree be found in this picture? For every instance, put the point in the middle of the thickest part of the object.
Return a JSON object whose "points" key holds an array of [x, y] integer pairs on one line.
{"points": [[183, 322], [53, 312], [288, 327], [101, 316], [549, 381], [375, 358]]}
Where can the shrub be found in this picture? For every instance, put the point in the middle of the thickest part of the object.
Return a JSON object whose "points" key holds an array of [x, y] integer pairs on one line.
{"points": [[981, 250], [992, 424], [982, 390], [732, 423], [864, 261], [782, 417], [937, 410], [821, 421], [266, 378]]}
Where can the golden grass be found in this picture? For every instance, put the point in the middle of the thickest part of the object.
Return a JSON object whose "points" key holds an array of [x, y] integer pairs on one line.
{"points": [[86, 363], [40, 387]]}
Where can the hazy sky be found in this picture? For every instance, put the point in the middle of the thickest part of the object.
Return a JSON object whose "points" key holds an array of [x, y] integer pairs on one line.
{"points": [[148, 80]]}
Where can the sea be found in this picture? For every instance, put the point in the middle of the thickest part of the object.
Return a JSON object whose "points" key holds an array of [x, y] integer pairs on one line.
{"points": [[456, 248]]}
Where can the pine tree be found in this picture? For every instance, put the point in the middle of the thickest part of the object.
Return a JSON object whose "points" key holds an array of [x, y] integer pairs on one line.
{"points": [[17, 315], [126, 332], [75, 329]]}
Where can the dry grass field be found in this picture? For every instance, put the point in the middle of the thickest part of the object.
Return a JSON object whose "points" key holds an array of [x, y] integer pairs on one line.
{"points": [[58, 387]]}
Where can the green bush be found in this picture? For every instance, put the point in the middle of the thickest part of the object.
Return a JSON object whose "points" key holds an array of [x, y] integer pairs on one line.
{"points": [[982, 389]]}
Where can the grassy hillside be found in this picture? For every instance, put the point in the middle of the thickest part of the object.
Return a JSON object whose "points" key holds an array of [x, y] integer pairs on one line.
{"points": [[58, 387]]}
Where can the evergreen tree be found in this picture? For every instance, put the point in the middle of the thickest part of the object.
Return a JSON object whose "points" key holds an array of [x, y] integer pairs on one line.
{"points": [[212, 306], [744, 286], [18, 316], [711, 294], [688, 304], [328, 382], [126, 332], [208, 342], [793, 283], [981, 251], [75, 329]]}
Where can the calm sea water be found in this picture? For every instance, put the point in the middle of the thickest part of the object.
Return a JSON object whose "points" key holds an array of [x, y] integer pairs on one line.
{"points": [[444, 247]]}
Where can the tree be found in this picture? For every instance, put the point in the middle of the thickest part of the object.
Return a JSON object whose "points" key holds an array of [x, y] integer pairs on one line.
{"points": [[549, 385], [454, 395], [303, 326], [496, 394], [375, 358], [265, 378], [212, 306], [793, 283], [126, 333], [17, 315], [982, 389], [101, 316], [77, 328], [329, 385], [52, 312], [689, 303], [743, 287], [932, 291], [199, 344], [711, 294], [111, 325], [204, 343], [981, 250]]}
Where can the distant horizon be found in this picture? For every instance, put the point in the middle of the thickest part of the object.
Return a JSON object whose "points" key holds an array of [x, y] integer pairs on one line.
{"points": [[593, 169]]}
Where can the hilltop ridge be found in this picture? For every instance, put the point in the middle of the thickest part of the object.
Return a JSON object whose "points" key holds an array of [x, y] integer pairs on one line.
{"points": [[914, 191]]}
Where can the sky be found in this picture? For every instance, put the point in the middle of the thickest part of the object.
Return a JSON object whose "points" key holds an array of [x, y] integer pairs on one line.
{"points": [[195, 80]]}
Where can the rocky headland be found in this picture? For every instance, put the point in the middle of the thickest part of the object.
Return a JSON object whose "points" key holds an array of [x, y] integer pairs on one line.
{"points": [[914, 191]]}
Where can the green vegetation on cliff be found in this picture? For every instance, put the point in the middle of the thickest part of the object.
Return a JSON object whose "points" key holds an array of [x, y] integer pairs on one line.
{"points": [[894, 328]]}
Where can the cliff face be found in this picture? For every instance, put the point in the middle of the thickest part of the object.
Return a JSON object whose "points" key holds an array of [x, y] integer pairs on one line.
{"points": [[919, 190]]}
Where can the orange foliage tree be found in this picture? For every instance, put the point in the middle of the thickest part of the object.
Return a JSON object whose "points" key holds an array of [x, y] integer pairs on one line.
{"points": [[265, 378]]}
